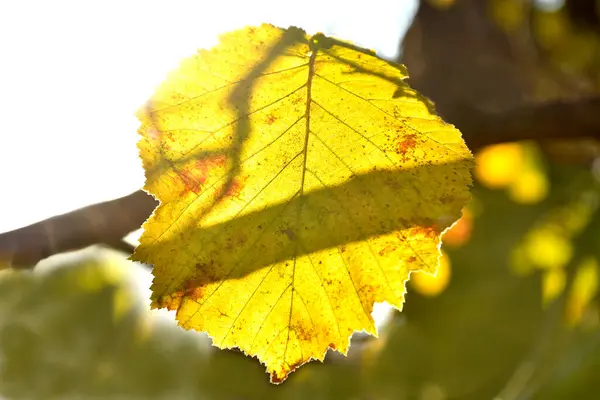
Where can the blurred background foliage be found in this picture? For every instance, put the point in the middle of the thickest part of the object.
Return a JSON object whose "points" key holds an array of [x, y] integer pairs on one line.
{"points": [[512, 314]]}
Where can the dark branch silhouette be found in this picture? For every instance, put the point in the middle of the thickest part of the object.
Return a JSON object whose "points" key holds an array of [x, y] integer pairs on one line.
{"points": [[575, 119]]}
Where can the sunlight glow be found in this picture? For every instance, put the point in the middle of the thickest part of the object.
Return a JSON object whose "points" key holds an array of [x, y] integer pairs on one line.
{"points": [[73, 73]]}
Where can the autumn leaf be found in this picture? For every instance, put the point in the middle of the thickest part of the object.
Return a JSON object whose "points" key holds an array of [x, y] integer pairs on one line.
{"points": [[300, 180]]}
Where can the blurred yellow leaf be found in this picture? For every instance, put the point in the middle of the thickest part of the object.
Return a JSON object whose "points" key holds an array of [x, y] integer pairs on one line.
{"points": [[516, 167], [548, 249], [585, 287], [499, 165], [529, 187], [553, 284], [432, 285], [300, 180], [530, 184]]}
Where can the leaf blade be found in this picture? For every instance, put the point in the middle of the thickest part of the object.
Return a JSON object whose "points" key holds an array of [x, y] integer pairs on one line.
{"points": [[312, 205]]}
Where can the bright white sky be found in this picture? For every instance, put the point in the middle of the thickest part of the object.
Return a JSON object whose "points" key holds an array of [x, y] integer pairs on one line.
{"points": [[72, 74]]}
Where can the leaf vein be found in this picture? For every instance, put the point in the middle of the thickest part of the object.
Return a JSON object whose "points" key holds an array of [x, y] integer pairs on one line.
{"points": [[222, 87]]}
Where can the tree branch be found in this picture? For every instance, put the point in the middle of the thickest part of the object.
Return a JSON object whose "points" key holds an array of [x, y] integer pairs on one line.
{"points": [[103, 223], [553, 120], [108, 222]]}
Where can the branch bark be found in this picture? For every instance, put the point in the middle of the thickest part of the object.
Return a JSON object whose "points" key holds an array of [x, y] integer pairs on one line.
{"points": [[108, 222], [574, 119], [103, 223]]}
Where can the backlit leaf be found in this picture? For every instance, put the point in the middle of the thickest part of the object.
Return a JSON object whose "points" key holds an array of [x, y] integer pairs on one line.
{"points": [[300, 180]]}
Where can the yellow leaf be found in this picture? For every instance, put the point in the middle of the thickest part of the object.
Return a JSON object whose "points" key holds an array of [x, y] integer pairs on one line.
{"points": [[300, 180]]}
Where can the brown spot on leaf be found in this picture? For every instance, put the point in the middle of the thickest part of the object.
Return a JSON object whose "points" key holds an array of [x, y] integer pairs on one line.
{"points": [[178, 97], [206, 273], [194, 287], [236, 241], [153, 133], [387, 249], [408, 143], [242, 238], [304, 335], [171, 302], [419, 226], [270, 119], [191, 183], [428, 231], [235, 188], [368, 289], [193, 177], [447, 199], [170, 136], [290, 234], [318, 65], [206, 165]]}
